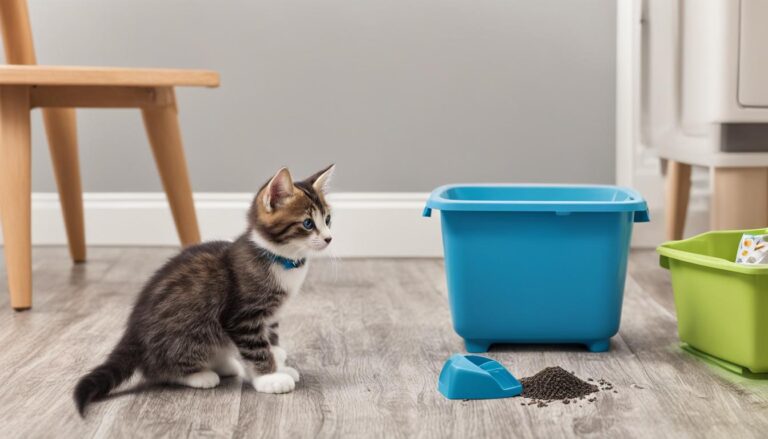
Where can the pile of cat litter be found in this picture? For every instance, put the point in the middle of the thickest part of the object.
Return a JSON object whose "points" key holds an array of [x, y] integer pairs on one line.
{"points": [[557, 384]]}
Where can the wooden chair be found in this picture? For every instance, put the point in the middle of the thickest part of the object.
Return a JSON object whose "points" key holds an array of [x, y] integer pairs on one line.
{"points": [[57, 90]]}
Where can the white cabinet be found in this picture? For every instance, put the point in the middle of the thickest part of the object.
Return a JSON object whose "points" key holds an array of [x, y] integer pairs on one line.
{"points": [[703, 73], [753, 54]]}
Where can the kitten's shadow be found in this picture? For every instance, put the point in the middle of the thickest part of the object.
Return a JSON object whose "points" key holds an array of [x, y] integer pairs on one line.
{"points": [[146, 387]]}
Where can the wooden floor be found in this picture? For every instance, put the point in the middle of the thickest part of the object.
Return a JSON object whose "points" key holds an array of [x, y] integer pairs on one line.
{"points": [[369, 337]]}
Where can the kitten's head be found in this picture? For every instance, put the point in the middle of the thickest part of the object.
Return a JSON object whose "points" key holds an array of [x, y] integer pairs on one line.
{"points": [[292, 219]]}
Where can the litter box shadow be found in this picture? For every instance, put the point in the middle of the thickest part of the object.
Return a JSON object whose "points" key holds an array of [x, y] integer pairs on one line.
{"points": [[536, 347]]}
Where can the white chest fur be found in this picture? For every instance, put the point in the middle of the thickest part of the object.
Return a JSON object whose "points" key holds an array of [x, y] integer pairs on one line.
{"points": [[289, 280]]}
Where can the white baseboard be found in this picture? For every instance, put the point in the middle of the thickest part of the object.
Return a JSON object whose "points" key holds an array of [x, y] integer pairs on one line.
{"points": [[365, 224]]}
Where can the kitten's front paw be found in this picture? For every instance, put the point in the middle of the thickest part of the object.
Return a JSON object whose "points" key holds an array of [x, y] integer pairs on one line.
{"points": [[277, 382], [289, 371], [279, 354]]}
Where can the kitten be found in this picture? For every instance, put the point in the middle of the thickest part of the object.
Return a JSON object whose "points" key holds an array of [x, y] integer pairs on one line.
{"points": [[212, 310]]}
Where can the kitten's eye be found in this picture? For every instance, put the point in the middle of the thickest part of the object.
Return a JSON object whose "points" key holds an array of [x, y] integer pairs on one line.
{"points": [[308, 224], [328, 220]]}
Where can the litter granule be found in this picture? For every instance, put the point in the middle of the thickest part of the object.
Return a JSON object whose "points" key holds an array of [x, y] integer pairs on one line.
{"points": [[556, 383]]}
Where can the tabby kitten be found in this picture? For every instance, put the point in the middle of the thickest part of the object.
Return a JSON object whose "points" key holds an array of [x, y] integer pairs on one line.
{"points": [[212, 310]]}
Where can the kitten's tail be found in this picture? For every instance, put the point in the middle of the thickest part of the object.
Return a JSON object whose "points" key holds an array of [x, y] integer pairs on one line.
{"points": [[119, 366]]}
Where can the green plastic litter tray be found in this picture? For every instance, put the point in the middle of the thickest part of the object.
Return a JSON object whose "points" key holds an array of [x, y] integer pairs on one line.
{"points": [[722, 306]]}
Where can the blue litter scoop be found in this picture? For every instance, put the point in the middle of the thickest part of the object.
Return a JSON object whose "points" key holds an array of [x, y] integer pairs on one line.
{"points": [[476, 377]]}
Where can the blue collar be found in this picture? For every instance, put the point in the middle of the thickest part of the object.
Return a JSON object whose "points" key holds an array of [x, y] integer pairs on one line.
{"points": [[288, 264]]}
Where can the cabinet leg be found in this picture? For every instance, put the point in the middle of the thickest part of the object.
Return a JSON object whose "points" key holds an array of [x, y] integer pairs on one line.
{"points": [[739, 198], [678, 191]]}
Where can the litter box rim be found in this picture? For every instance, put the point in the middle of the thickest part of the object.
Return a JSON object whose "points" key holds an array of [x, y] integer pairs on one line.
{"points": [[670, 250], [633, 202]]}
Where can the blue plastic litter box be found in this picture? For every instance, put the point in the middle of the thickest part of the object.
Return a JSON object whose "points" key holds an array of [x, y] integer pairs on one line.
{"points": [[536, 263]]}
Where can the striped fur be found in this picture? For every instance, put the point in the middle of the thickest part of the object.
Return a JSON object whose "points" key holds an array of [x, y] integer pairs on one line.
{"points": [[221, 296]]}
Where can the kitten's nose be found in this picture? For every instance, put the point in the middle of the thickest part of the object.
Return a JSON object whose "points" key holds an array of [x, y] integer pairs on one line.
{"points": [[328, 240]]}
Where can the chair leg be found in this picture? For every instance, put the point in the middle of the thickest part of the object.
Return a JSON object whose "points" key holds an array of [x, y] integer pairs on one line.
{"points": [[162, 126], [61, 127], [678, 191], [15, 192]]}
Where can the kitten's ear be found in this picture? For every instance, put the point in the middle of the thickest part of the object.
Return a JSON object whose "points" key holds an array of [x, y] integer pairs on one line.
{"points": [[278, 190], [321, 180]]}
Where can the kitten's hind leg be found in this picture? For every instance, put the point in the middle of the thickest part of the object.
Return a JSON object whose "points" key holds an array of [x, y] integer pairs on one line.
{"points": [[227, 363], [205, 379], [229, 366]]}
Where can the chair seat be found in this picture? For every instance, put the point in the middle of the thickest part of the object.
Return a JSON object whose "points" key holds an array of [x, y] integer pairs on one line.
{"points": [[105, 76]]}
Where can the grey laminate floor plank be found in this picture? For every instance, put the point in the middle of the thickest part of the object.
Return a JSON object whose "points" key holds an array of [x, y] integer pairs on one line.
{"points": [[39, 358], [369, 337], [655, 282], [697, 400]]}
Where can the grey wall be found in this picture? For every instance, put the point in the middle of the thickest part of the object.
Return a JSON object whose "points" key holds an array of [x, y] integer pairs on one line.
{"points": [[403, 95]]}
